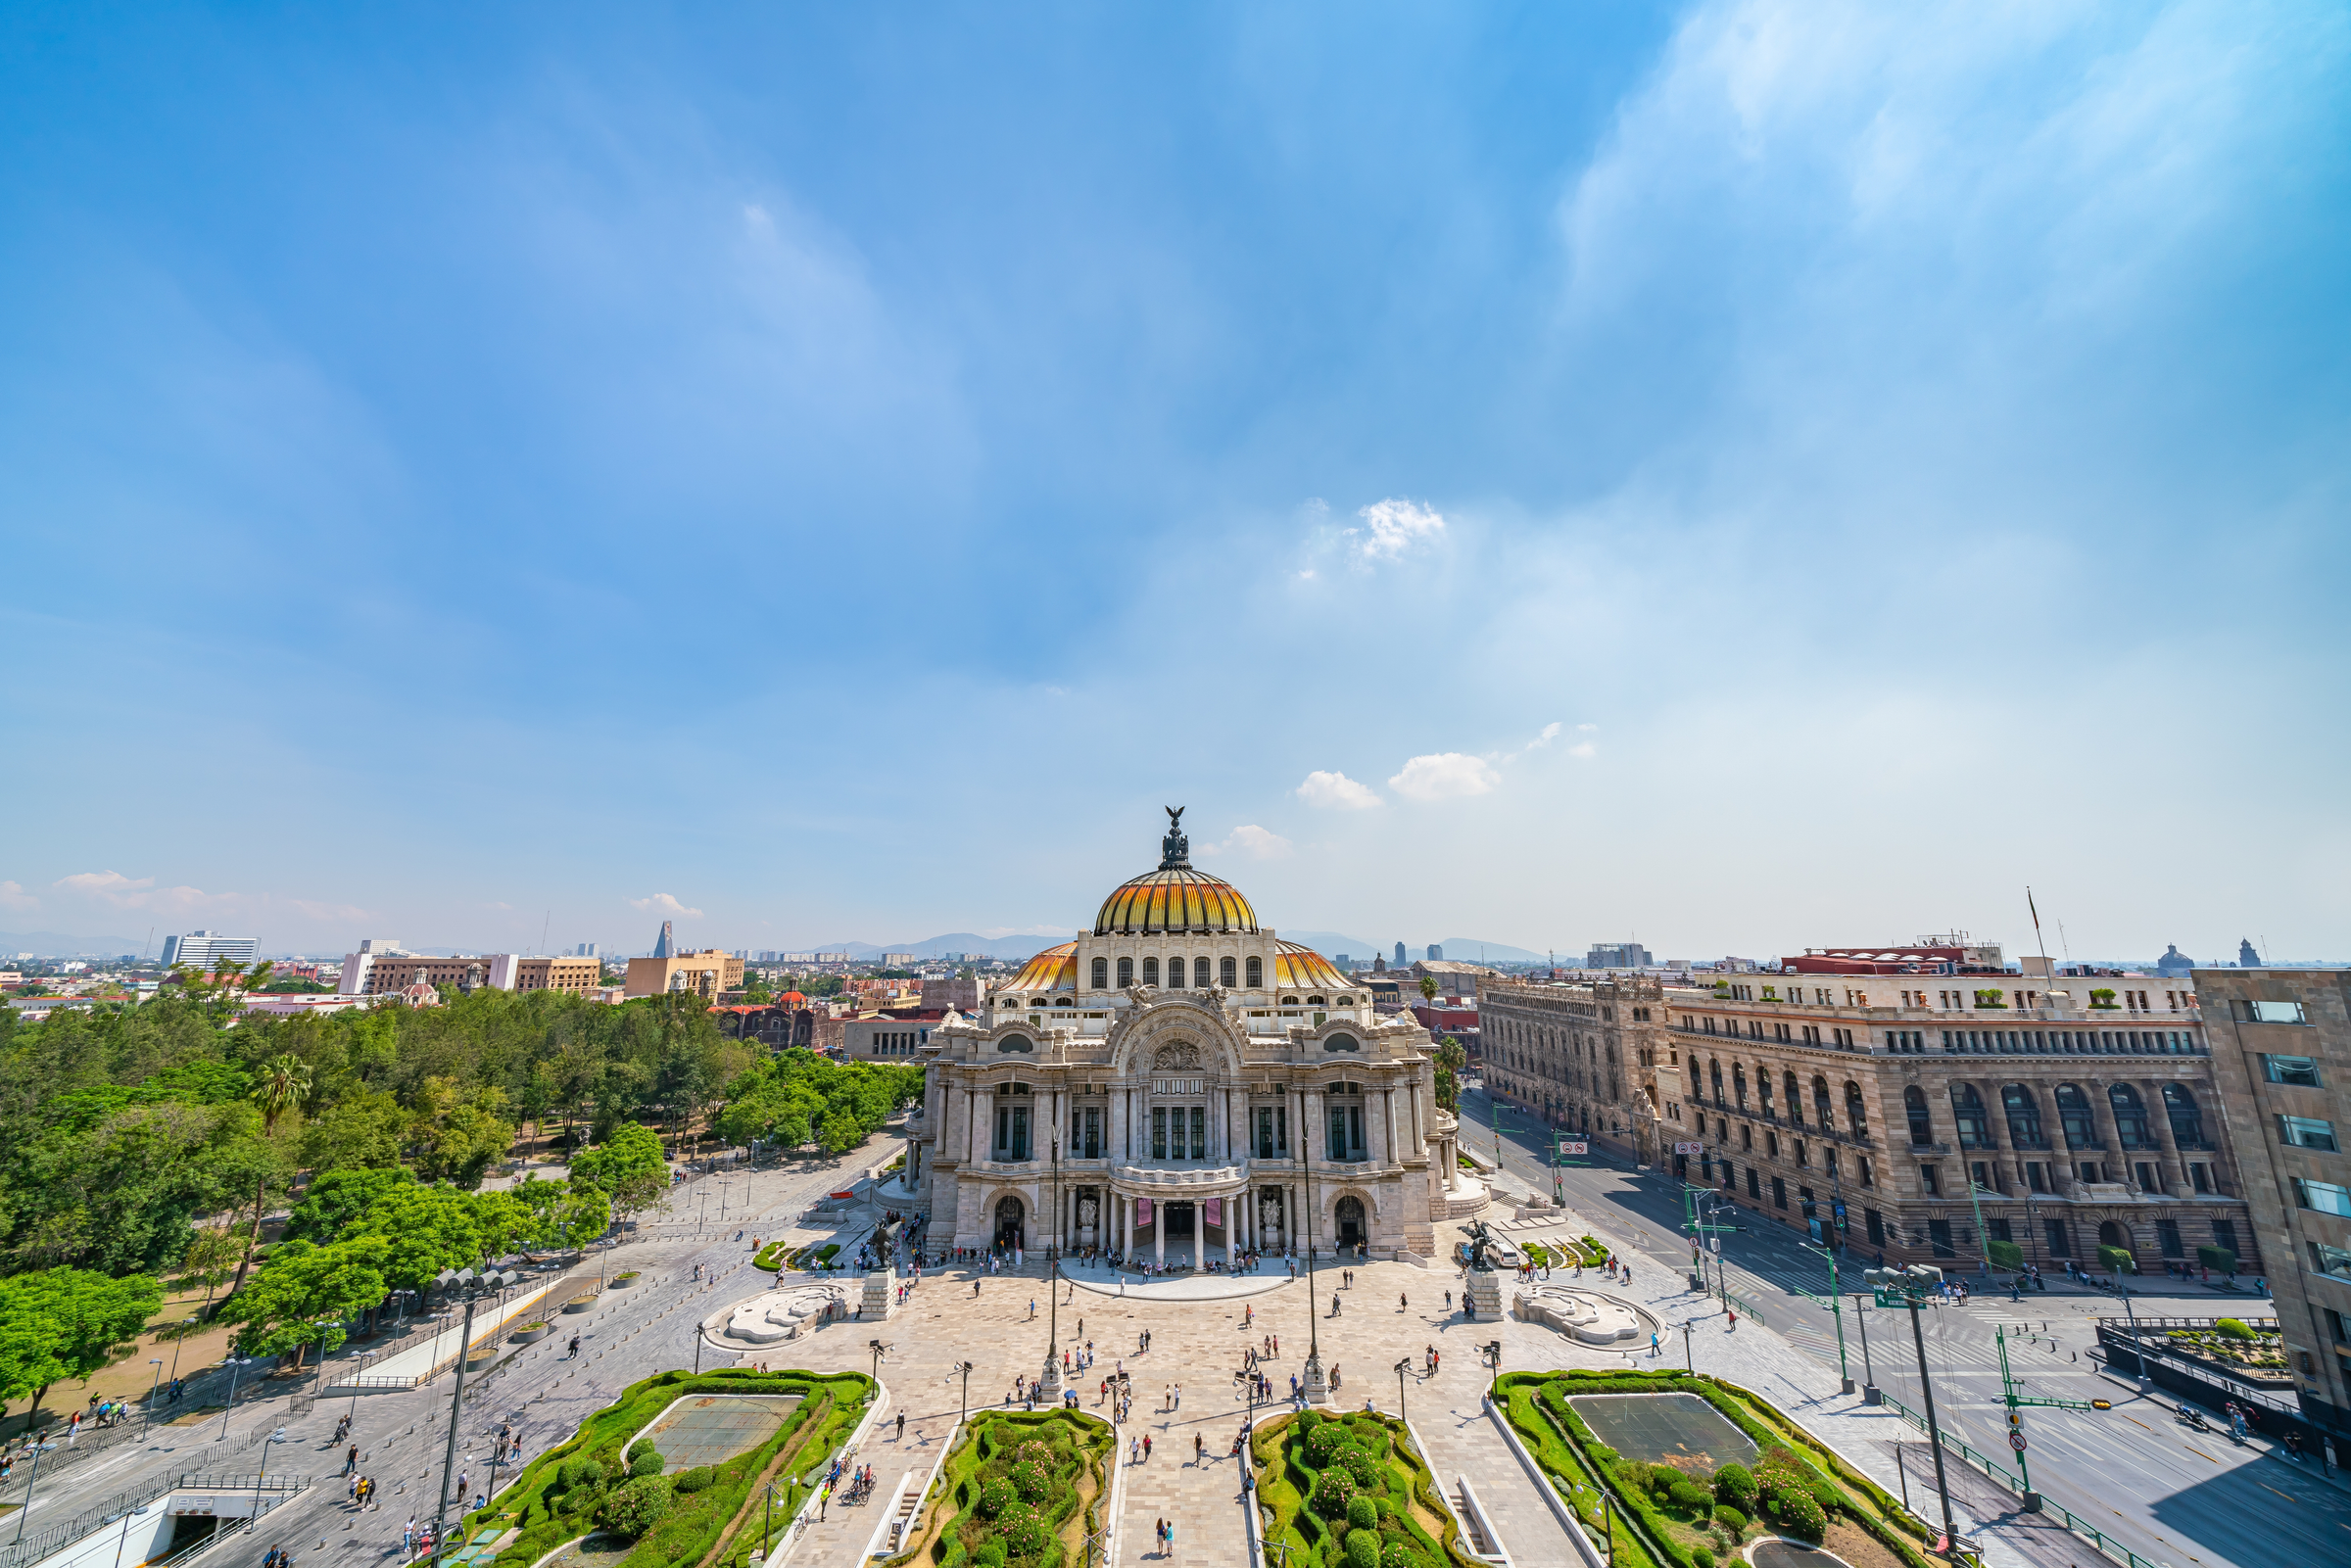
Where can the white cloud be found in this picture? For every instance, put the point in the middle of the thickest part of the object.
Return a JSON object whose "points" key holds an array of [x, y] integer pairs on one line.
{"points": [[1258, 843], [118, 891], [1549, 732], [13, 896], [1583, 749], [1391, 526], [664, 904], [1445, 775], [1336, 790]]}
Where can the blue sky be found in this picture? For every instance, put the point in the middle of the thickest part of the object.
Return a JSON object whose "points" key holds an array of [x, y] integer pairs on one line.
{"points": [[1746, 475]]}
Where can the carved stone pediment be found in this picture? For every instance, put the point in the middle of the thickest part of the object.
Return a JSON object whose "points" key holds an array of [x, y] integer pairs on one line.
{"points": [[1176, 1057]]}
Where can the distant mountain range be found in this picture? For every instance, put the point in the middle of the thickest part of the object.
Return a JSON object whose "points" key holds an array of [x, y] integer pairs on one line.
{"points": [[1461, 949], [1007, 947]]}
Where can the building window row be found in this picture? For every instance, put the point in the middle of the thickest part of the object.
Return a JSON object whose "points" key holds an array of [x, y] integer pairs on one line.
{"points": [[1231, 974]]}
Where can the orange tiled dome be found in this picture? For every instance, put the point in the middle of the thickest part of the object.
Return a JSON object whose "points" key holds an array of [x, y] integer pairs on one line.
{"points": [[1175, 898], [1299, 968], [1053, 970]]}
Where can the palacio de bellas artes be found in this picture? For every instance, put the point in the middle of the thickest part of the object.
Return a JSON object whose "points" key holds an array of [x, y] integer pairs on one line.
{"points": [[1178, 1086]]}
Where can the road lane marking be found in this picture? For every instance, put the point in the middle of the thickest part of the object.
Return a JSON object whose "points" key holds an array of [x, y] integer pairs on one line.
{"points": [[2199, 1452]]}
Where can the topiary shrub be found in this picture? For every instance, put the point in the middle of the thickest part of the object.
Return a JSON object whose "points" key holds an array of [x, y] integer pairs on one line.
{"points": [[1362, 1513], [1700, 1557], [1332, 1493], [1689, 1495], [1324, 1443], [1735, 1484], [693, 1481], [637, 1506], [1797, 1512], [2233, 1328], [1730, 1520], [1363, 1548], [640, 1445], [1360, 1465], [580, 1473], [1023, 1530], [646, 1464], [996, 1496], [989, 1554], [1400, 1554]]}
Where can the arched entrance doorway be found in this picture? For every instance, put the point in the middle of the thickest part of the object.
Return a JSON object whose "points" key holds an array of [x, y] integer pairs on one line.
{"points": [[2111, 1234], [1009, 1214], [1348, 1219]]}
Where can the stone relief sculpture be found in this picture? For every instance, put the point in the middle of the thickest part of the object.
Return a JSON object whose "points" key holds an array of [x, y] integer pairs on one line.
{"points": [[1171, 1057]]}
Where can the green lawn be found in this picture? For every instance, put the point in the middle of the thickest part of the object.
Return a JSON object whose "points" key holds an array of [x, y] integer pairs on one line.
{"points": [[1021, 1488], [1347, 1492], [584, 1483]]}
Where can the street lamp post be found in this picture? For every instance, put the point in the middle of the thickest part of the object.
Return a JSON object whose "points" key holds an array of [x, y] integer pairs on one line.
{"points": [[1315, 1388], [1688, 1355], [1844, 1371], [1403, 1366], [1870, 1394], [278, 1436], [1049, 1385], [1909, 1284], [474, 1287], [236, 1364], [365, 1358], [963, 1410], [155, 1383]]}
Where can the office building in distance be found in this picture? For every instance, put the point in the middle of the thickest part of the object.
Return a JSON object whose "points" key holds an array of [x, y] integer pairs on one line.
{"points": [[201, 950]]}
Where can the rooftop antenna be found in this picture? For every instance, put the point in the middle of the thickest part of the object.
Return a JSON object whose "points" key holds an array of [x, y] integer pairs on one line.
{"points": [[2038, 936], [543, 927], [2064, 946]]}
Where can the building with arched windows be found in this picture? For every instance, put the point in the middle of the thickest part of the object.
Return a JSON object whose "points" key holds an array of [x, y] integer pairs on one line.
{"points": [[1178, 1083]]}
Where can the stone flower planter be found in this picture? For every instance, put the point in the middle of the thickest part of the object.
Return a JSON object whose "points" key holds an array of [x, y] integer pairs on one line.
{"points": [[580, 1303], [530, 1333], [624, 1281]]}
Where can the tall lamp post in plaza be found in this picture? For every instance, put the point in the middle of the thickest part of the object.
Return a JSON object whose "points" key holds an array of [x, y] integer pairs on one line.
{"points": [[1316, 1389], [475, 1287], [1845, 1372], [963, 1411], [153, 1386], [1403, 1366], [1905, 1287], [1048, 1386], [1870, 1394]]}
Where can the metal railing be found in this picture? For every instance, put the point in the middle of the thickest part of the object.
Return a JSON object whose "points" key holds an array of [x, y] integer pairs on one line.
{"points": [[2113, 1549], [34, 1547]]}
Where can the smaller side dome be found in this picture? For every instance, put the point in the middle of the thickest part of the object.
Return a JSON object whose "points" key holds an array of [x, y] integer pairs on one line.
{"points": [[1299, 968], [1053, 970]]}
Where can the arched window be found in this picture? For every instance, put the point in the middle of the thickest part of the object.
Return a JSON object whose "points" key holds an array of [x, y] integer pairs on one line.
{"points": [[1763, 1090], [1101, 975], [1714, 1074], [1739, 1083], [1256, 971], [1200, 981], [2187, 1121], [2073, 1115], [1795, 1100], [1016, 1042], [1967, 1111], [1922, 1126], [2130, 1117], [1227, 973], [1151, 972], [1314, 1001], [1856, 1112], [1820, 1103], [1346, 1001], [1126, 973], [2023, 1118]]}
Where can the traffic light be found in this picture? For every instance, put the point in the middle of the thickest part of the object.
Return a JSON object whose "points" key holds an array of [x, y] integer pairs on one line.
{"points": [[2014, 1420]]}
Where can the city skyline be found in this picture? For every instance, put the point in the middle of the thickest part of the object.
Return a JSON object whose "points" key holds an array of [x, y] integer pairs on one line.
{"points": [[1737, 471]]}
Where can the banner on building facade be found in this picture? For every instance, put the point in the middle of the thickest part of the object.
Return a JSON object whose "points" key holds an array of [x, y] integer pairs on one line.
{"points": [[1216, 1210], [1142, 1212]]}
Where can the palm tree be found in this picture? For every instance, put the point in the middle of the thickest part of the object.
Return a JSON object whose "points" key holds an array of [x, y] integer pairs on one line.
{"points": [[283, 1083], [1428, 988]]}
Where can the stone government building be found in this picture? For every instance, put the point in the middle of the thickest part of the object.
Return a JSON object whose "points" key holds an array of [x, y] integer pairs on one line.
{"points": [[1206, 1087], [2088, 1114]]}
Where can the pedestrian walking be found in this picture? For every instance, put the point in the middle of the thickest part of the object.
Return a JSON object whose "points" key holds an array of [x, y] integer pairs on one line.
{"points": [[1146, 1447]]}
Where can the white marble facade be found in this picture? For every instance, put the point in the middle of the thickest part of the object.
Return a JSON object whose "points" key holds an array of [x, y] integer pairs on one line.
{"points": [[1178, 1085]]}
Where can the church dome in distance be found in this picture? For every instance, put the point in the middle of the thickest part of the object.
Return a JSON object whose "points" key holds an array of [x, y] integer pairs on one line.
{"points": [[1175, 898]]}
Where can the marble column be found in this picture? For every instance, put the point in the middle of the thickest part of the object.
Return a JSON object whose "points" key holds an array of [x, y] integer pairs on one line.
{"points": [[1199, 1236], [1159, 1232]]}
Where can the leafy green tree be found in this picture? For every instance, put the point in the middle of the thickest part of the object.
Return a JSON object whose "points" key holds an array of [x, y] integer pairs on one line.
{"points": [[628, 1167], [584, 1214], [210, 1257], [64, 1323], [364, 1131], [338, 1198], [303, 1295], [1451, 1059], [426, 1230]]}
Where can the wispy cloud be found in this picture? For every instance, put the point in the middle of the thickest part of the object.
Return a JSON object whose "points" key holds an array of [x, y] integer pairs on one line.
{"points": [[1336, 792], [1258, 843], [1390, 528], [664, 904], [13, 896], [1445, 775], [118, 891]]}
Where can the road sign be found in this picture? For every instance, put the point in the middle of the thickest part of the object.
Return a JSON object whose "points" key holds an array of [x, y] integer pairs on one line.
{"points": [[2016, 1440], [1689, 1148], [1567, 1148], [1840, 1206]]}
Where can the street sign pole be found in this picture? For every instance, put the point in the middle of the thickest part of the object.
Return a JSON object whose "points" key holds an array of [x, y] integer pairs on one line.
{"points": [[1845, 1372], [2031, 1502]]}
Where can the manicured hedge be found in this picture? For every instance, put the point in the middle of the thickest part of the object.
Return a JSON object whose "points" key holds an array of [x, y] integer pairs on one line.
{"points": [[1796, 1485], [1018, 1481], [585, 1483], [1317, 1473]]}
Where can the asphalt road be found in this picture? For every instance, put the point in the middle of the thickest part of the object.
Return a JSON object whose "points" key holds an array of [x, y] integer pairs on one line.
{"points": [[2175, 1497]]}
